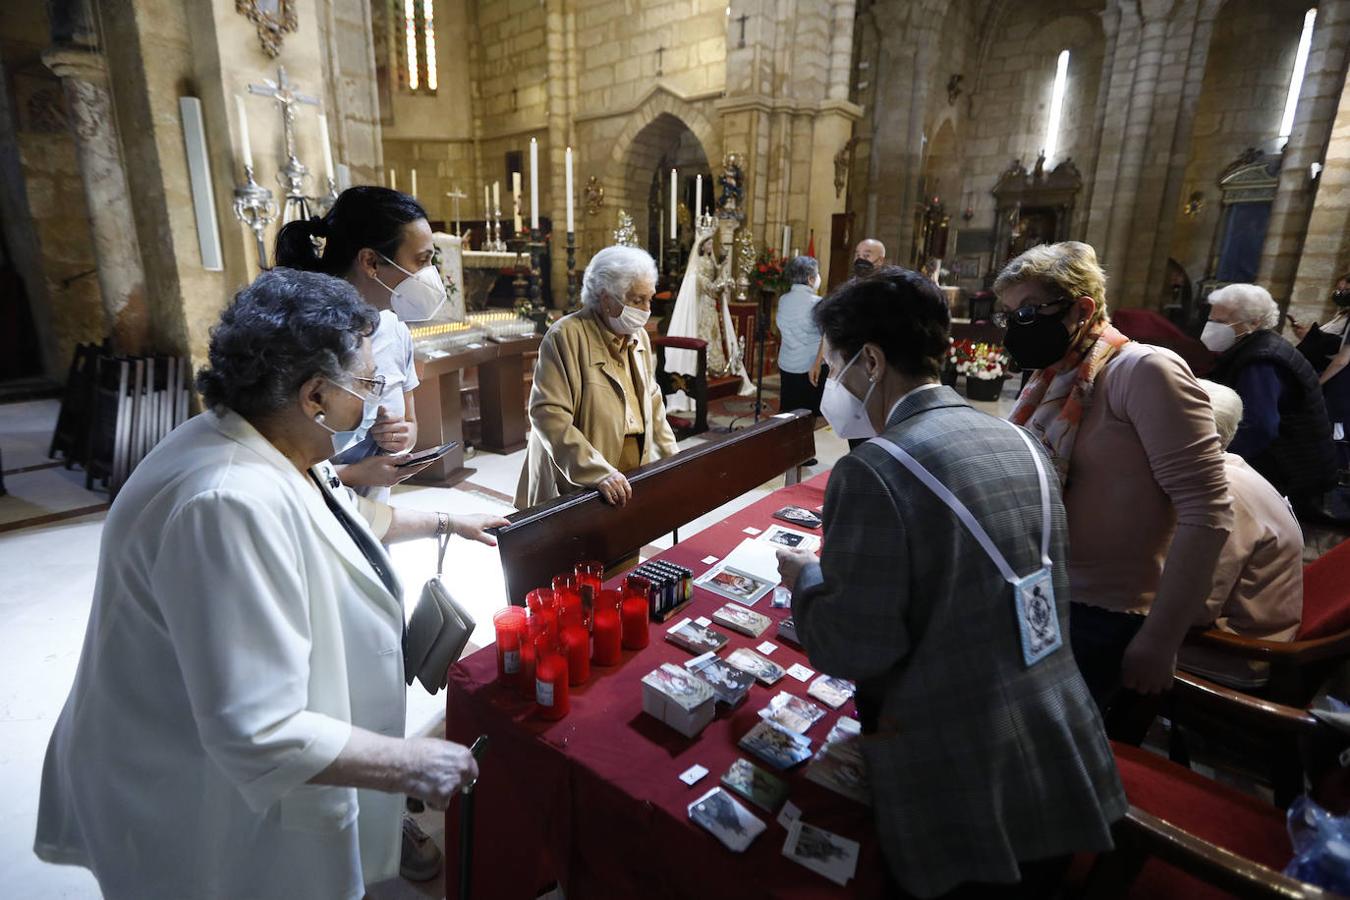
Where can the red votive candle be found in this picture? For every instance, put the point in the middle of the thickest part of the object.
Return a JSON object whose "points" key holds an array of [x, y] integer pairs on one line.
{"points": [[633, 611], [509, 625], [590, 572], [577, 642], [608, 633], [550, 679], [543, 608], [535, 645], [567, 598]]}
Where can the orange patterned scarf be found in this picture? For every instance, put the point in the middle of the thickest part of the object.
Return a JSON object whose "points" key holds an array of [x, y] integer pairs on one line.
{"points": [[1052, 404]]}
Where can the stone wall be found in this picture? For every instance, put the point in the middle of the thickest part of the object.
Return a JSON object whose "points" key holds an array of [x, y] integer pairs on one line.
{"points": [[1326, 249]]}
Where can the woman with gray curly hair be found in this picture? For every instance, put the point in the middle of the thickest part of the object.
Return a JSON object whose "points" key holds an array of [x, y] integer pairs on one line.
{"points": [[1285, 432], [596, 411], [236, 724]]}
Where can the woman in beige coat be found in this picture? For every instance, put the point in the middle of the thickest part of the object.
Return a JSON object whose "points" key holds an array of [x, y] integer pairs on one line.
{"points": [[595, 409]]}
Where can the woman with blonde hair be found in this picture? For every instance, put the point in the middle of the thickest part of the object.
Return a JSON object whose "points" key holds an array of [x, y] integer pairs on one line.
{"points": [[1130, 433]]}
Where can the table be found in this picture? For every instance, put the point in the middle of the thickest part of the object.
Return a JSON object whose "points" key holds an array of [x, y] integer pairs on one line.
{"points": [[594, 802]]}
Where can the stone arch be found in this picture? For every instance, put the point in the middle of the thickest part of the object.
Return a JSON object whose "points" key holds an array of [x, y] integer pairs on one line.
{"points": [[659, 121]]}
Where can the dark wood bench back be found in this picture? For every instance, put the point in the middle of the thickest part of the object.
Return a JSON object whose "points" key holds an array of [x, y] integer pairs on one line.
{"points": [[551, 538]]}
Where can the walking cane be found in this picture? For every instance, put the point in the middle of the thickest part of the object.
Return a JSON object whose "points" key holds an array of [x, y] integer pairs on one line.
{"points": [[466, 822]]}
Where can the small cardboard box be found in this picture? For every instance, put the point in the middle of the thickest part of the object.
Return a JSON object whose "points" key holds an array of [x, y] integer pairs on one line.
{"points": [[681, 699]]}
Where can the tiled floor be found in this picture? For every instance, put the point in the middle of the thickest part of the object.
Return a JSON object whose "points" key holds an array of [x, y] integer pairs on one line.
{"points": [[48, 582]]}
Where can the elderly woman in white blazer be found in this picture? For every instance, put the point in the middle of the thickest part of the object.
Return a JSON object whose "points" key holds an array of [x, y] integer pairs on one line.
{"points": [[236, 724]]}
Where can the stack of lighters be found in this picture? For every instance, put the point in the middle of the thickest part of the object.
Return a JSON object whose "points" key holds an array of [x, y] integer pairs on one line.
{"points": [[549, 646], [672, 587]]}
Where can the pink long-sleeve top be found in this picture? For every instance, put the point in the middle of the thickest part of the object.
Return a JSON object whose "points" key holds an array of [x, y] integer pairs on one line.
{"points": [[1146, 459]]}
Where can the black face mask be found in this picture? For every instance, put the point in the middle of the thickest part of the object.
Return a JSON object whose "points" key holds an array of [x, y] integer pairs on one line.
{"points": [[1341, 298], [862, 267], [1042, 343]]}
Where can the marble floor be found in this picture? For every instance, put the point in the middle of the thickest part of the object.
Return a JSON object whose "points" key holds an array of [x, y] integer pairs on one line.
{"points": [[50, 527]]}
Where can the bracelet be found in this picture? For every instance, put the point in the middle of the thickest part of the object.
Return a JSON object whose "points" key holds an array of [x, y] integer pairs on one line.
{"points": [[442, 523]]}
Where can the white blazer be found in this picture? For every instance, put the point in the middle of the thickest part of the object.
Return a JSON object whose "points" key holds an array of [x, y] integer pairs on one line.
{"points": [[237, 633]]}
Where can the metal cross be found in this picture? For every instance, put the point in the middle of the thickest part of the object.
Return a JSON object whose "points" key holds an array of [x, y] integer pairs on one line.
{"points": [[286, 96], [742, 19], [660, 53]]}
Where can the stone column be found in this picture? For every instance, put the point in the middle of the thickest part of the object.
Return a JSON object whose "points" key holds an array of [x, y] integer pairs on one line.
{"points": [[1153, 17], [1323, 81], [1326, 246], [121, 277]]}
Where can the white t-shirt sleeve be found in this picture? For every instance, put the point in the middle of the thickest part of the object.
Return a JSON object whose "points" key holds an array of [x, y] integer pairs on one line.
{"points": [[410, 381]]}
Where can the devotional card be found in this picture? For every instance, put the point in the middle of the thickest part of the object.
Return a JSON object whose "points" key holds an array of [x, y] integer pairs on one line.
{"points": [[833, 692], [729, 684], [766, 671], [780, 748], [726, 819], [799, 516], [742, 620], [822, 851], [792, 712], [755, 785], [689, 635], [790, 537]]}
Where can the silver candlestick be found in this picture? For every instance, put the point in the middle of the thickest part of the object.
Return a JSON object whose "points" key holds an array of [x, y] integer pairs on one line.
{"points": [[325, 203], [293, 178], [256, 208]]}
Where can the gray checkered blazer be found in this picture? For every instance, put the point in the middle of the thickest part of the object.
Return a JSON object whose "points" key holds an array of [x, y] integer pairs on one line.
{"points": [[977, 761]]}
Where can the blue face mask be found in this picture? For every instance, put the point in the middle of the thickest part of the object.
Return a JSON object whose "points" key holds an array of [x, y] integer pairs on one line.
{"points": [[345, 440]]}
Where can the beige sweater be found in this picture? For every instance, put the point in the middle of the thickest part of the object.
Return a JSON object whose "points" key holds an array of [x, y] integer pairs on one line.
{"points": [[1146, 458]]}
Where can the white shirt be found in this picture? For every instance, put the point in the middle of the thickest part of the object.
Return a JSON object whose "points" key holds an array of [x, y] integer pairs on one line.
{"points": [[236, 635]]}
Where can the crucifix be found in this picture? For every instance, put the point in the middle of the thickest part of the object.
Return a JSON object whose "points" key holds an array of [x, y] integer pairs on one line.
{"points": [[660, 52], [455, 196], [293, 175], [742, 20]]}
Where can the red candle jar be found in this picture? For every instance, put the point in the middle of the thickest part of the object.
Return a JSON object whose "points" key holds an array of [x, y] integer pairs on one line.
{"points": [[543, 608], [567, 597], [590, 572], [538, 642], [551, 686], [633, 612], [608, 599], [608, 634], [577, 643], [509, 625]]}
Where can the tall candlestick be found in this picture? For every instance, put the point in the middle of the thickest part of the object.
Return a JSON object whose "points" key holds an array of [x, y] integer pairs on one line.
{"points": [[672, 203], [414, 182], [568, 168], [487, 202], [393, 180], [515, 202], [325, 146], [243, 132], [534, 184], [698, 197]]}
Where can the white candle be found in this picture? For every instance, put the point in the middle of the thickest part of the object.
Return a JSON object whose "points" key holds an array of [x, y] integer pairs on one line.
{"points": [[393, 180], [673, 182], [326, 147], [496, 196], [515, 202], [414, 182], [568, 168], [698, 197], [487, 202], [787, 239], [243, 132], [534, 184]]}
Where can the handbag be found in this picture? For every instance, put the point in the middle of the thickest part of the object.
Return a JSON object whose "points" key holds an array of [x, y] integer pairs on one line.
{"points": [[438, 631]]}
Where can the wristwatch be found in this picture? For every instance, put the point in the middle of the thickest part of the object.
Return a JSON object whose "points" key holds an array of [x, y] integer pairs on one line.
{"points": [[442, 523]]}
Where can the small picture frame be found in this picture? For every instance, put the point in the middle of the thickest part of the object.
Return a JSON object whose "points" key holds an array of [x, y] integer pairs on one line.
{"points": [[733, 584]]}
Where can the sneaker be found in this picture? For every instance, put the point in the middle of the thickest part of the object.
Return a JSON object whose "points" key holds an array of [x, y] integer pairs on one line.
{"points": [[421, 858]]}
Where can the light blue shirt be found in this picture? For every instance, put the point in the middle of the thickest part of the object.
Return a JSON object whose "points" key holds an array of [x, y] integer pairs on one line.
{"points": [[801, 337]]}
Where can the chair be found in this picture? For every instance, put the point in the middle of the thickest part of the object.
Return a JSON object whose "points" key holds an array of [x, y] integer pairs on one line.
{"points": [[1300, 666], [1188, 837], [695, 386]]}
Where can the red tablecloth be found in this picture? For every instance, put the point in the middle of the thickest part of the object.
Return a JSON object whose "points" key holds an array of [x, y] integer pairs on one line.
{"points": [[594, 801]]}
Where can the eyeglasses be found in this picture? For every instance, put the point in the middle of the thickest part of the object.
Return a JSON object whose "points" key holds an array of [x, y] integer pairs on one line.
{"points": [[1025, 315], [374, 387]]}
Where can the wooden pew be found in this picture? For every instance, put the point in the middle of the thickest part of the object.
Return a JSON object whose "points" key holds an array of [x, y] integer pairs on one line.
{"points": [[552, 537]]}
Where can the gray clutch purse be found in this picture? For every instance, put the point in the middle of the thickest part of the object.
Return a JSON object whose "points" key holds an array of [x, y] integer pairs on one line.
{"points": [[438, 631]]}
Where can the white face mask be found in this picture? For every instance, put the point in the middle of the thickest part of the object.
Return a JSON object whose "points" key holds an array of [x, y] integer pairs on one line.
{"points": [[419, 296], [345, 440], [847, 414], [1218, 337], [629, 321]]}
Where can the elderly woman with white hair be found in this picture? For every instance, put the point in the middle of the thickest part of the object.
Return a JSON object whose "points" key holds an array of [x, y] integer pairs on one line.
{"points": [[1258, 583], [595, 409], [1285, 432]]}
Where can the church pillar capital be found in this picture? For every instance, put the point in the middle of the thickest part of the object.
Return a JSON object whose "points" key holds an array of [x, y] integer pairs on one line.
{"points": [[77, 63]]}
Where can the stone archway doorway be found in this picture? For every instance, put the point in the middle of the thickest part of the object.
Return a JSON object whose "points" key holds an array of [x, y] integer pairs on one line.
{"points": [[665, 143]]}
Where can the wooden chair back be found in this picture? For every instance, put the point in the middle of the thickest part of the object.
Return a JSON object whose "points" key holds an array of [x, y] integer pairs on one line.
{"points": [[696, 386], [552, 537]]}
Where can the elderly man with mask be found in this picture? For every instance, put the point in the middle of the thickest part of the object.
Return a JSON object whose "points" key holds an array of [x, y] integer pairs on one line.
{"points": [[595, 409], [1285, 432], [868, 256]]}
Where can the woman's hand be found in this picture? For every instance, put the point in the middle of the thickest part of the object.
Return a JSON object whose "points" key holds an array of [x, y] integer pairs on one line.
{"points": [[393, 435], [615, 489], [379, 470], [474, 527], [813, 374], [791, 561], [1148, 665], [435, 770], [1300, 329]]}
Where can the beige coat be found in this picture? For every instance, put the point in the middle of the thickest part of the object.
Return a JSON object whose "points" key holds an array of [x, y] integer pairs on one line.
{"points": [[577, 410]]}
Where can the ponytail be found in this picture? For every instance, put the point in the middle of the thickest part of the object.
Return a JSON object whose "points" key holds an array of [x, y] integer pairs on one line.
{"points": [[363, 216]]}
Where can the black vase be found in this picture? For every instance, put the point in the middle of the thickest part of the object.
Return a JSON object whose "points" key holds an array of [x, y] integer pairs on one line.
{"points": [[983, 388]]}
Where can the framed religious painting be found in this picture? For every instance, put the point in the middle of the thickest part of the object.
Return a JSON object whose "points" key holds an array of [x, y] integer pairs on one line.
{"points": [[274, 19]]}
